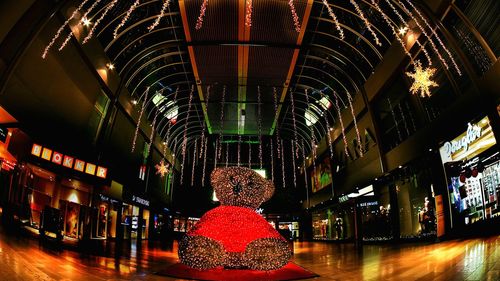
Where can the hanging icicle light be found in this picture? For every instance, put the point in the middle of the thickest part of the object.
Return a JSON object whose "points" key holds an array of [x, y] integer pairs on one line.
{"points": [[334, 18], [195, 150], [249, 153], [221, 126], [140, 118], [272, 161], [328, 134], [204, 161], [367, 23], [296, 150], [151, 135], [204, 125], [313, 136], [60, 30], [358, 135], [248, 13], [278, 148], [296, 21], [293, 145], [184, 137], [98, 21], [259, 113], [304, 162], [239, 150], [164, 7], [126, 17], [435, 35], [339, 114], [283, 164], [83, 20], [203, 9], [227, 154]]}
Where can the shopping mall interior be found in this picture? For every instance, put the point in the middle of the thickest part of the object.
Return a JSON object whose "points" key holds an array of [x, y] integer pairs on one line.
{"points": [[249, 140]]}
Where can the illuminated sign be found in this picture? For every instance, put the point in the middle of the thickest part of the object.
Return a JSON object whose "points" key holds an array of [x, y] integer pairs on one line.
{"points": [[140, 200], [68, 161], [476, 139]]}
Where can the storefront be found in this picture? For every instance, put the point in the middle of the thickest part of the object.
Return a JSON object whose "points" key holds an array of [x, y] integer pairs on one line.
{"points": [[135, 218], [334, 223], [472, 165]]}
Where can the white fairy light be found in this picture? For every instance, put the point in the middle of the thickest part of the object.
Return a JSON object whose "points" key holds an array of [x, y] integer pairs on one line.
{"points": [[358, 135], [433, 45], [227, 154], [249, 153], [239, 150], [283, 164], [204, 126], [367, 23], [221, 124], [203, 9], [204, 161], [259, 113], [195, 149], [139, 119], [275, 96], [437, 37], [329, 137], [164, 7], [334, 18], [296, 153], [151, 135], [83, 21], [126, 17], [295, 17], [184, 138], [272, 161], [98, 21], [58, 33], [339, 114], [293, 145], [248, 13]]}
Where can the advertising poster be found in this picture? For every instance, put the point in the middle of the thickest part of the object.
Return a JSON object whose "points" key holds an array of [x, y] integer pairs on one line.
{"points": [[322, 177]]}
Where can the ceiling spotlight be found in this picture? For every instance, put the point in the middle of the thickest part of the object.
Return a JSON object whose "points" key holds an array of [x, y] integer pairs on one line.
{"points": [[400, 166], [134, 101], [86, 21], [403, 30], [110, 66]]}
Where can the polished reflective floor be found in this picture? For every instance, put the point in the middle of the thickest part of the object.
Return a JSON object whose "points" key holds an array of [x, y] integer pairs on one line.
{"points": [[475, 259]]}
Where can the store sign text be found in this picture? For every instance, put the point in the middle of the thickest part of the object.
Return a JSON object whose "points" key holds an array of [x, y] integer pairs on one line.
{"points": [[68, 161], [140, 200], [473, 133]]}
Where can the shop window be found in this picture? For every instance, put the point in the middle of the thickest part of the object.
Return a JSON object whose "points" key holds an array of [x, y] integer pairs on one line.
{"points": [[145, 224], [97, 116], [376, 216]]}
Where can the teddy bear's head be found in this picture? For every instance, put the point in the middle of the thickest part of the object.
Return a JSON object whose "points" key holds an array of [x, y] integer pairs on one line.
{"points": [[239, 186]]}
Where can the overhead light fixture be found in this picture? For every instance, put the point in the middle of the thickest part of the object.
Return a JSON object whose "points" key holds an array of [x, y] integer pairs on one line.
{"points": [[134, 101], [110, 66], [86, 22]]}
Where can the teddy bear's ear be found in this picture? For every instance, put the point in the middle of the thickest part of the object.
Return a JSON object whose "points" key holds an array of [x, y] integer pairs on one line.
{"points": [[216, 175]]}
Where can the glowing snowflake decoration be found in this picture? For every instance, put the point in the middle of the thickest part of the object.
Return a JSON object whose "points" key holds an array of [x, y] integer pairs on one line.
{"points": [[422, 80], [162, 168]]}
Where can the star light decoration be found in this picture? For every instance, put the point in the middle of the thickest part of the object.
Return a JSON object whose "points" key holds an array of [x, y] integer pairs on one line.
{"points": [[422, 81], [162, 169]]}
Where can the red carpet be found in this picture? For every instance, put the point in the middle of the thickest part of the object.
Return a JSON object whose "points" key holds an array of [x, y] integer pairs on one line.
{"points": [[290, 271]]}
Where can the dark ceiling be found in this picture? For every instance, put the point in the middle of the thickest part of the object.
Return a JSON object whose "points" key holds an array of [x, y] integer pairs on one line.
{"points": [[269, 57]]}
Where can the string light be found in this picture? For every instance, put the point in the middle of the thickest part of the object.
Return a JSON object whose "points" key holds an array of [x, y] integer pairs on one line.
{"points": [[222, 103], [203, 9], [166, 3], [272, 161], [215, 154], [259, 113], [140, 118], [329, 137], [295, 17], [275, 96], [195, 149], [422, 80], [227, 154], [334, 18], [248, 13], [170, 124], [339, 114], [151, 135], [304, 163], [367, 23], [249, 153], [358, 135], [406, 28], [204, 161], [58, 33], [184, 138], [233, 235], [84, 21], [98, 21], [434, 47], [126, 17], [437, 37], [293, 144], [239, 150], [283, 164], [313, 137], [296, 150], [204, 126]]}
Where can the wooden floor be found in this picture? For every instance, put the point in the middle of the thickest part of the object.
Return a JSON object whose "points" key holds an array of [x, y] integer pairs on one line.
{"points": [[476, 259]]}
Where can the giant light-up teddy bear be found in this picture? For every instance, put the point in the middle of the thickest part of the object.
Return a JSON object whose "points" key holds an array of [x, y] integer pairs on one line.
{"points": [[233, 235]]}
